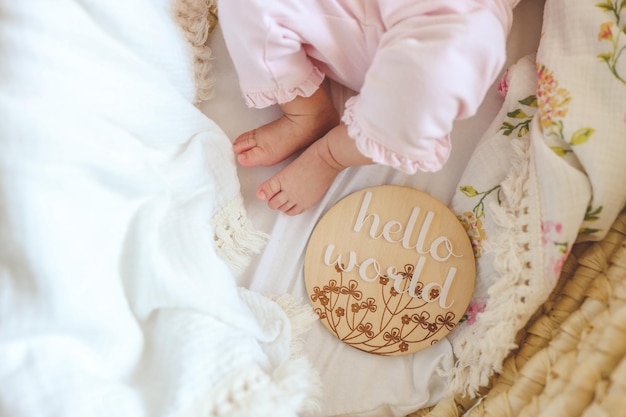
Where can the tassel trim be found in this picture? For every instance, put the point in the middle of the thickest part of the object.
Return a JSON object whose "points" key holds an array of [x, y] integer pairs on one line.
{"points": [[482, 349], [235, 238], [198, 19], [289, 391]]}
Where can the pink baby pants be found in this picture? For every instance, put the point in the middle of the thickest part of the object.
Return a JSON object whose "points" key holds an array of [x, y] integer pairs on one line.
{"points": [[417, 65]]}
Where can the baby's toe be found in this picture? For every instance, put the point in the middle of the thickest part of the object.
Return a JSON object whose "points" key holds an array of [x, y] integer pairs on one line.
{"points": [[280, 202], [293, 210], [269, 189], [245, 142], [252, 157]]}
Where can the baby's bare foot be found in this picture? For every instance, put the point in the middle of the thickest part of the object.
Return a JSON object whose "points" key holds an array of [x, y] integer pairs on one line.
{"points": [[303, 182], [305, 120]]}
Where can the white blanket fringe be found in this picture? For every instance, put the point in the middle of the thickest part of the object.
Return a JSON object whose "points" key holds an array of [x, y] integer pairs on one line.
{"points": [[301, 317], [235, 238], [473, 370], [251, 392]]}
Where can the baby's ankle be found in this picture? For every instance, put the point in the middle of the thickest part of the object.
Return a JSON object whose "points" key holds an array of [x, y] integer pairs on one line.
{"points": [[325, 154], [318, 105]]}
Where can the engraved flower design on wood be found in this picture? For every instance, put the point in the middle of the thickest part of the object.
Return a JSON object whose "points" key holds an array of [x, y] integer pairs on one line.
{"points": [[401, 321]]}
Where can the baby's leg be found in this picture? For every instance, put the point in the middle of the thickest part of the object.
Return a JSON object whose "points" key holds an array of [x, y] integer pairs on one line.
{"points": [[305, 120], [304, 181]]}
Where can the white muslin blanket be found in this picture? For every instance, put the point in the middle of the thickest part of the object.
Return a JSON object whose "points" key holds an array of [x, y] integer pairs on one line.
{"points": [[114, 300]]}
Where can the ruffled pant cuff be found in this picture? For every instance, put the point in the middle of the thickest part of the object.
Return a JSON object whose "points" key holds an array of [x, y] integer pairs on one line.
{"points": [[382, 155], [281, 95]]}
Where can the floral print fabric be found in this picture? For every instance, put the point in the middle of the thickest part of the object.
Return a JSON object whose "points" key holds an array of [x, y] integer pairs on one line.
{"points": [[549, 172]]}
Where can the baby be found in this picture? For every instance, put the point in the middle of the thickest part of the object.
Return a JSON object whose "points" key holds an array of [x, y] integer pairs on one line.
{"points": [[416, 65]]}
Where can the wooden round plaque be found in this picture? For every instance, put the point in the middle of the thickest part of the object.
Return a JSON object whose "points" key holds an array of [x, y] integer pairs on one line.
{"points": [[389, 270]]}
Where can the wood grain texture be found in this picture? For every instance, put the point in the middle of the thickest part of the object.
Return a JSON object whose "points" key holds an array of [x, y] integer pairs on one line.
{"points": [[389, 270]]}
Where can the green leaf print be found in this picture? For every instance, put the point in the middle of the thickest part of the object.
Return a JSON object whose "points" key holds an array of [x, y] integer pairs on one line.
{"points": [[517, 114], [593, 214], [530, 101], [471, 192], [589, 231], [559, 150], [581, 136], [607, 6], [610, 34], [468, 190], [521, 116]]}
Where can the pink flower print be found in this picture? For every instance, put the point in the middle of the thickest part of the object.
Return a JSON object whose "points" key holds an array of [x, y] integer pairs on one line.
{"points": [[552, 101], [606, 31], [611, 32], [556, 247], [474, 227], [474, 309], [550, 231], [503, 87], [557, 264]]}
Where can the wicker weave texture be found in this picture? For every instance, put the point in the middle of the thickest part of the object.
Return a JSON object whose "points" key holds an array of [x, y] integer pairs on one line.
{"points": [[571, 359]]}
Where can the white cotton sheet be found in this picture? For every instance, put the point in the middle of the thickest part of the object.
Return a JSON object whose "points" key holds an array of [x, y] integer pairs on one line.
{"points": [[354, 383]]}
